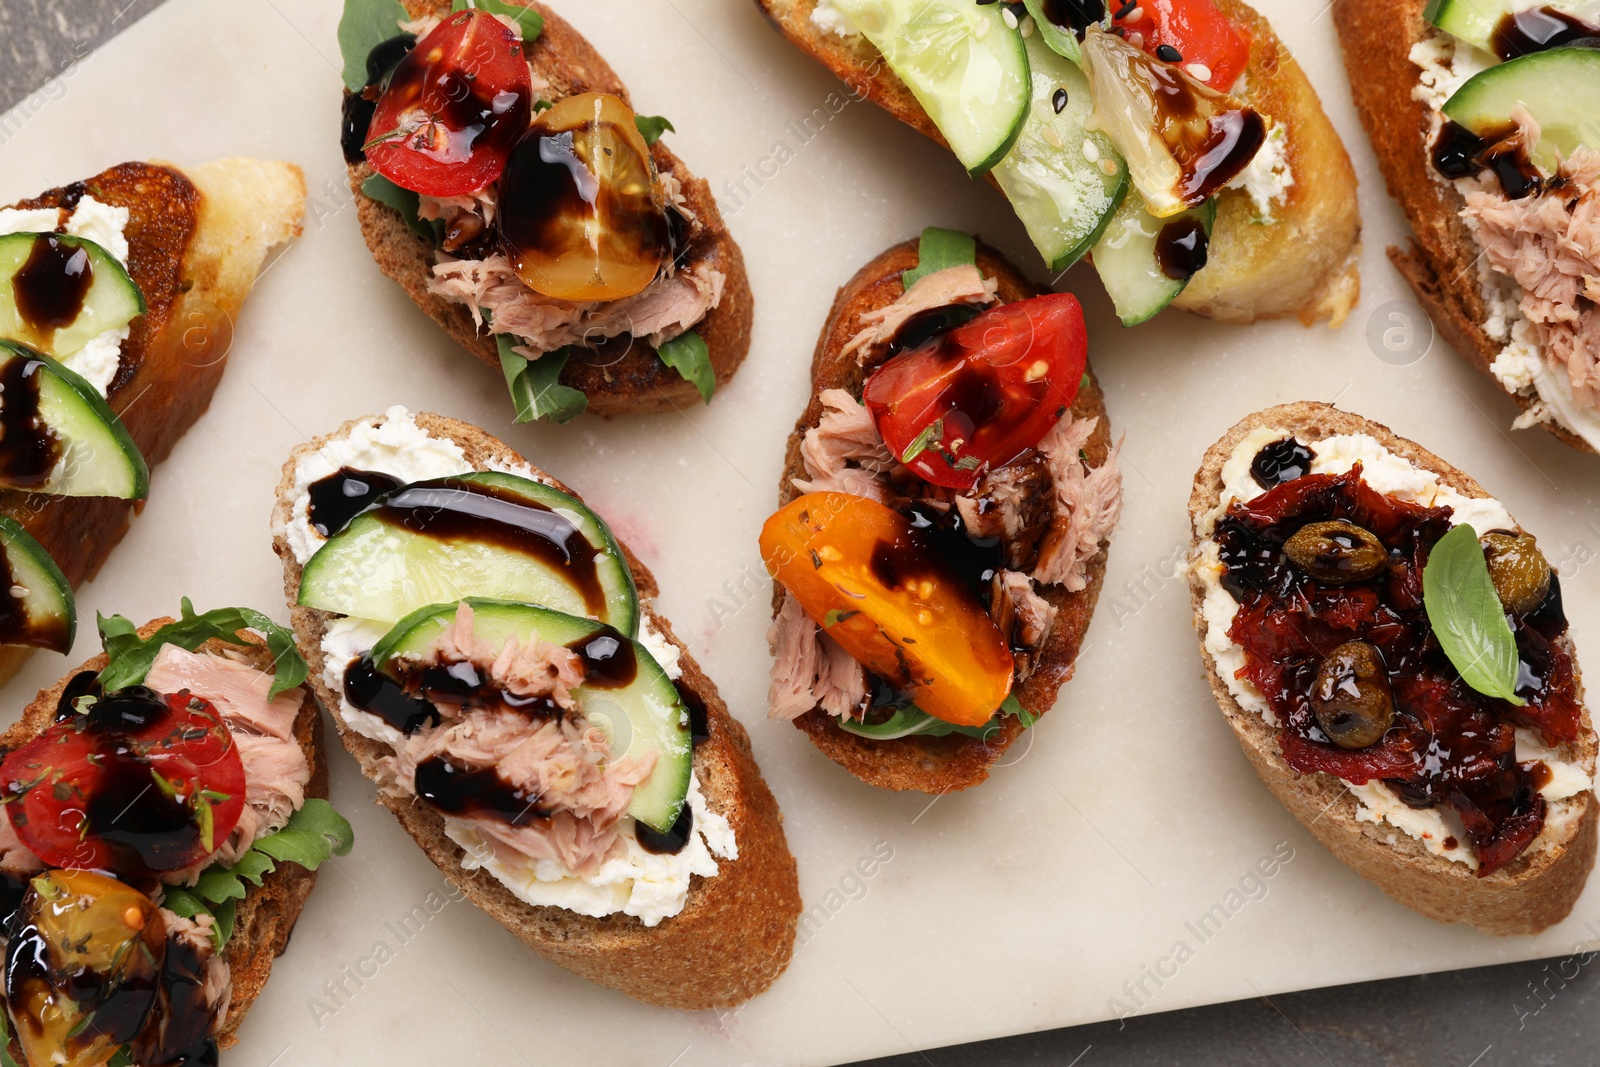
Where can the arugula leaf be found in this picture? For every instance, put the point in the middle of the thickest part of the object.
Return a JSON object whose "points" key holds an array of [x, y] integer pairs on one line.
{"points": [[5, 1043], [1467, 616], [1061, 42], [535, 384], [404, 201], [365, 25], [688, 355], [653, 126], [122, 1058], [528, 20], [313, 834], [908, 720], [131, 658], [939, 250]]}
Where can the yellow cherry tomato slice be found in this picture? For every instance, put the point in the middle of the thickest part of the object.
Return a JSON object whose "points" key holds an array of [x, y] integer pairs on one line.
{"points": [[861, 572]]}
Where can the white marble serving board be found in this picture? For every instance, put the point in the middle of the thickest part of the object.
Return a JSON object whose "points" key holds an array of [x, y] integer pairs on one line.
{"points": [[1036, 901]]}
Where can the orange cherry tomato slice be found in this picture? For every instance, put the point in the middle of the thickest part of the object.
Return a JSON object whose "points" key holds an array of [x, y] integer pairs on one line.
{"points": [[863, 574], [142, 783], [582, 214], [453, 108], [979, 396], [1196, 30]]}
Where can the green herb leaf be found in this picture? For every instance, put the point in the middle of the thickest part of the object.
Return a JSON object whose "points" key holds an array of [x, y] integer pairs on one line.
{"points": [[939, 250], [924, 440], [653, 126], [131, 658], [908, 720], [403, 201], [535, 384], [122, 1058], [529, 20], [688, 355], [313, 833], [364, 26], [5, 1043], [1467, 616], [835, 616], [1061, 42], [1012, 706]]}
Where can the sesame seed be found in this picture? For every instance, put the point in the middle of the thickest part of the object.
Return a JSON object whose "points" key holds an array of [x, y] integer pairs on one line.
{"points": [[1059, 101], [1199, 72], [1168, 54], [1027, 26], [1051, 135], [1011, 19], [1136, 14], [1090, 152], [1107, 167]]}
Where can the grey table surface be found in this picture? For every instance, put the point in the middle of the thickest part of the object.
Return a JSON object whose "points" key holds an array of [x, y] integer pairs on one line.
{"points": [[1543, 1012]]}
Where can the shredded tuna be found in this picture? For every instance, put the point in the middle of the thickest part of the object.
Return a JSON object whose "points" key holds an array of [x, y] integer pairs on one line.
{"points": [[810, 669], [953, 285], [1549, 243], [1088, 505], [420, 28], [1023, 616], [275, 769], [1012, 504], [666, 309], [196, 934], [843, 452], [15, 858], [562, 764]]}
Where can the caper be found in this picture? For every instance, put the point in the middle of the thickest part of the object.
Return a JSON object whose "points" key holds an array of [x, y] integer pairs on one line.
{"points": [[1521, 573], [1337, 552], [1352, 699]]}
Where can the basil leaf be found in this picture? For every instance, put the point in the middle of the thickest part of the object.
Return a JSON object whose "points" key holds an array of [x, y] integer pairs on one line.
{"points": [[404, 201], [688, 355], [528, 20], [653, 126], [939, 250], [365, 25], [535, 386], [131, 658], [1061, 42], [1467, 616]]}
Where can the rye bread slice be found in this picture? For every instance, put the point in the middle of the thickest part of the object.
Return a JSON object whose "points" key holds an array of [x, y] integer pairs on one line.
{"points": [[623, 376], [196, 239], [1534, 891], [938, 764], [1304, 265], [1441, 263], [266, 916], [735, 935]]}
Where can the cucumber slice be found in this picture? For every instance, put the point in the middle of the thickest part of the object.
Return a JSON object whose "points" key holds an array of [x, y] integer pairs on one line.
{"points": [[1127, 263], [94, 456], [1560, 89], [458, 537], [39, 610], [111, 301], [967, 68], [1475, 21], [640, 715], [1064, 198]]}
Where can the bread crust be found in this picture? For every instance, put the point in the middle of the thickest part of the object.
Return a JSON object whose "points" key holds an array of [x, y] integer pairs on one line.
{"points": [[735, 935], [196, 240], [1441, 262], [938, 764], [1534, 891], [623, 376], [265, 918], [1305, 265]]}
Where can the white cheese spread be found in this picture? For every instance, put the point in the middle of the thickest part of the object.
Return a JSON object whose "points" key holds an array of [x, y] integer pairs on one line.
{"points": [[644, 884], [1395, 476], [830, 19], [1267, 178], [106, 226]]}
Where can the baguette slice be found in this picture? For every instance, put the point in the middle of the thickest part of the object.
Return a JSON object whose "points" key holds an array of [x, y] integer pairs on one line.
{"points": [[1442, 261], [735, 935], [266, 916], [196, 240], [1534, 891], [1304, 265], [623, 376], [938, 764]]}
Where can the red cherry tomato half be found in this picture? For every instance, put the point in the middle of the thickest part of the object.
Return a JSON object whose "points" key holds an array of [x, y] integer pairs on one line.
{"points": [[453, 108], [1196, 29], [978, 397], [142, 783]]}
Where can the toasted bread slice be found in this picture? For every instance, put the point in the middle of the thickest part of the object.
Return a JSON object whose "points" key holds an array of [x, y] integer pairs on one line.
{"points": [[623, 376], [938, 764], [735, 935], [1442, 262], [196, 239], [1304, 265], [1534, 891], [266, 916]]}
